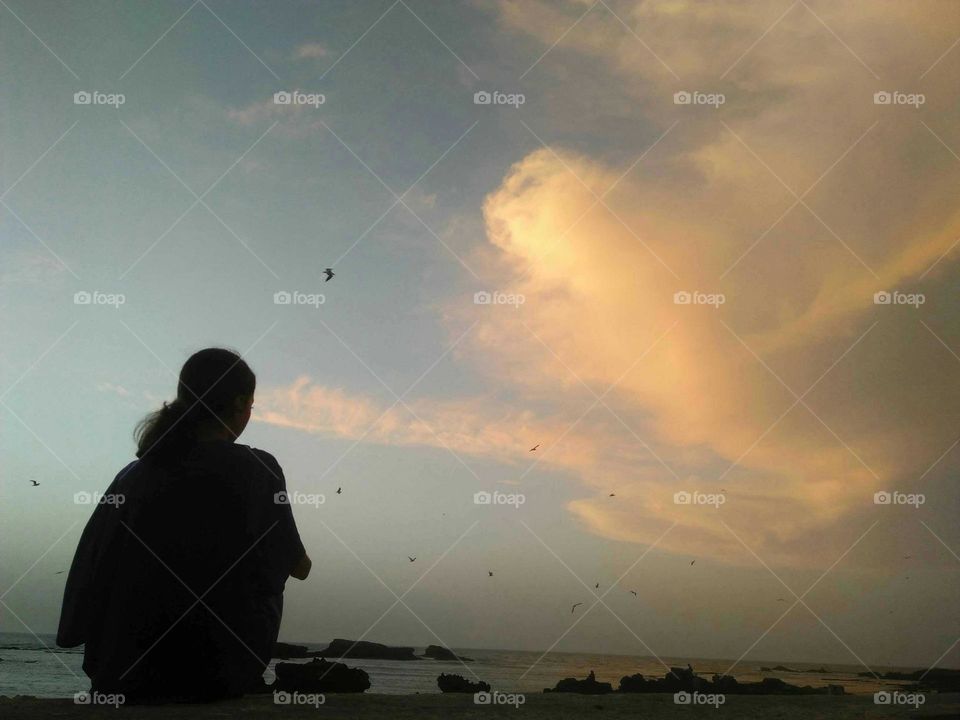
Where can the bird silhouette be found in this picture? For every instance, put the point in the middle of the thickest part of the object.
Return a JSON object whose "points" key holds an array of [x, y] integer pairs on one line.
{"points": [[597, 586], [534, 447], [411, 559], [575, 606], [329, 273], [339, 490], [60, 572], [490, 573], [781, 599], [907, 557], [634, 593], [612, 495], [35, 483]]}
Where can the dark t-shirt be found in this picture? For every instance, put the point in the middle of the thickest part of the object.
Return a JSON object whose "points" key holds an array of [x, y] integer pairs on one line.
{"points": [[177, 583]]}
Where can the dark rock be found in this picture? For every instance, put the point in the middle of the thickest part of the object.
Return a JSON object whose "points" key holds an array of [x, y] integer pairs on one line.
{"points": [[438, 652], [320, 676], [286, 651], [365, 650], [685, 679], [587, 686], [937, 679], [457, 684]]}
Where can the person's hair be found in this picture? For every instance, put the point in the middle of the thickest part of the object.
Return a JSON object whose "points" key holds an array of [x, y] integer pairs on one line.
{"points": [[210, 381]]}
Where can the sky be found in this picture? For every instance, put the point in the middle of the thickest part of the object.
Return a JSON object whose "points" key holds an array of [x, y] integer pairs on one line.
{"points": [[718, 242]]}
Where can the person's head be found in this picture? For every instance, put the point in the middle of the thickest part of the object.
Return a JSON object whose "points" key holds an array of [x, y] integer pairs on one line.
{"points": [[214, 398]]}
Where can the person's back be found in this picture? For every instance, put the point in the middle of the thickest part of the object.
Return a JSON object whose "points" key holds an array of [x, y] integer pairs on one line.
{"points": [[176, 587]]}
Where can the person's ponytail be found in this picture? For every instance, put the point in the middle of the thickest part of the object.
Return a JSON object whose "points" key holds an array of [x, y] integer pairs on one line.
{"points": [[210, 381]]}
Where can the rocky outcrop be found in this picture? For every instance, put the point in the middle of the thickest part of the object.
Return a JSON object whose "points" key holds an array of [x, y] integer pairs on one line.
{"points": [[438, 652], [781, 668], [686, 680], [587, 686], [938, 679], [286, 651], [365, 650], [457, 684], [320, 676]]}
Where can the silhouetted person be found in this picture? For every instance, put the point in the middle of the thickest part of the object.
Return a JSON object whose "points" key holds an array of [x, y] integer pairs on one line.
{"points": [[177, 584]]}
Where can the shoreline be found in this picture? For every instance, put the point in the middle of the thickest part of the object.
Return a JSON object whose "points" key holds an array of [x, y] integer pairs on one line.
{"points": [[377, 706]]}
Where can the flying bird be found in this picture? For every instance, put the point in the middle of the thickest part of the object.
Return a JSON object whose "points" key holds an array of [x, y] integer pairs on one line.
{"points": [[575, 606], [35, 483], [692, 562], [329, 273], [339, 490], [490, 573], [634, 593], [907, 557], [612, 495], [60, 573], [781, 600], [411, 559], [597, 586], [534, 447]]}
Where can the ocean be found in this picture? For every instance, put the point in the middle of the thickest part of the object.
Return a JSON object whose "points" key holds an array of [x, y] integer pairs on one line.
{"points": [[29, 666]]}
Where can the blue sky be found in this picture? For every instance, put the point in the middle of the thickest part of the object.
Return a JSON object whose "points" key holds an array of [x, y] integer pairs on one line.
{"points": [[596, 200]]}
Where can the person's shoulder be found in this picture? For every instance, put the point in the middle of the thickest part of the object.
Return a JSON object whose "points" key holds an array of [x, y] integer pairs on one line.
{"points": [[121, 478], [258, 457]]}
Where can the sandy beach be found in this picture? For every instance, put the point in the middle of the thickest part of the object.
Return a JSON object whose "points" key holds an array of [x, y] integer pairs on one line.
{"points": [[652, 707]]}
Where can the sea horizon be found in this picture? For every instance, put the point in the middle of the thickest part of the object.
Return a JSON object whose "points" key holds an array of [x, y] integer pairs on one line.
{"points": [[32, 669]]}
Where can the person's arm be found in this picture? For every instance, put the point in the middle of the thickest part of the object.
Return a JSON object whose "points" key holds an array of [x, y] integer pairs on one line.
{"points": [[302, 568], [90, 571], [284, 549]]}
